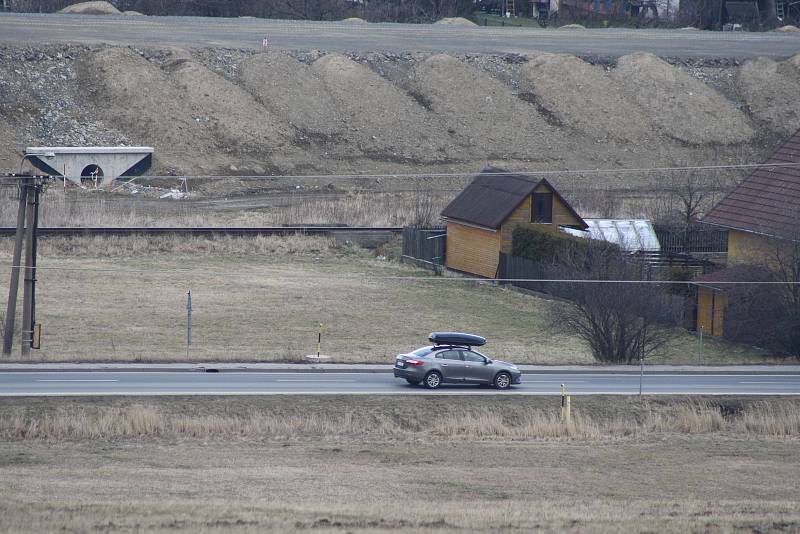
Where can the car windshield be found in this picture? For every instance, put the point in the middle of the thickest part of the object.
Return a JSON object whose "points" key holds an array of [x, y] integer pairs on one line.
{"points": [[420, 353]]}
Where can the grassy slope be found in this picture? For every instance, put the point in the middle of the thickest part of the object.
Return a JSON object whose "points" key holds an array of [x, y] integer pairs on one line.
{"points": [[262, 299], [413, 479]]}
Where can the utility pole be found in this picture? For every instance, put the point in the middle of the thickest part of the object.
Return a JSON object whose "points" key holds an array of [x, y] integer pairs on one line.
{"points": [[29, 287], [11, 307]]}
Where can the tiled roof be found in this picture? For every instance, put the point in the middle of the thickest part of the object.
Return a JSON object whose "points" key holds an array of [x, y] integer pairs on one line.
{"points": [[491, 198], [768, 201]]}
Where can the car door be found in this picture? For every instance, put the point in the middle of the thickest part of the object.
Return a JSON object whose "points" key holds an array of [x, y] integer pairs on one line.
{"points": [[475, 368], [451, 365]]}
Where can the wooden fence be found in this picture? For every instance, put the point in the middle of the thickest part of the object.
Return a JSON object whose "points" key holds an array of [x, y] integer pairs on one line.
{"points": [[695, 238], [425, 247]]}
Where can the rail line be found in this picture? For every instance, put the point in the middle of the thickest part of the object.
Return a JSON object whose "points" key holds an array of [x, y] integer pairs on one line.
{"points": [[87, 231]]}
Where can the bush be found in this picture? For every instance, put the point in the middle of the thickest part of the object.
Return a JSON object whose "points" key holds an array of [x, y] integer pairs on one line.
{"points": [[546, 244]]}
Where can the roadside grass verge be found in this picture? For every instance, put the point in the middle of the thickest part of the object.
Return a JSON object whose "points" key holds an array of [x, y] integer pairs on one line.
{"points": [[343, 417], [438, 464], [263, 298]]}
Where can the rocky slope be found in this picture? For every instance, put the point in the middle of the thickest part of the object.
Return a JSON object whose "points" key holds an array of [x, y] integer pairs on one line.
{"points": [[212, 111]]}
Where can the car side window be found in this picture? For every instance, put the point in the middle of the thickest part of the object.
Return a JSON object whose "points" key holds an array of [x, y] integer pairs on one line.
{"points": [[470, 356], [448, 355]]}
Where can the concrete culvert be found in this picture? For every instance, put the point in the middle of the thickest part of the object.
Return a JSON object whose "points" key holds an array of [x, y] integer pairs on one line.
{"points": [[91, 175], [91, 8]]}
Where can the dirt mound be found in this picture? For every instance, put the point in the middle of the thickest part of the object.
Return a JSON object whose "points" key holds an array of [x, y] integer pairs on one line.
{"points": [[186, 110], [133, 13], [572, 27], [771, 91], [483, 113], [293, 92], [582, 97], [355, 20], [682, 107], [788, 28], [92, 8], [382, 121], [457, 21]]}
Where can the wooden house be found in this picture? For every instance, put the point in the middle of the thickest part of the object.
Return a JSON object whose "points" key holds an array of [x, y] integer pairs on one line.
{"points": [[762, 216], [481, 219]]}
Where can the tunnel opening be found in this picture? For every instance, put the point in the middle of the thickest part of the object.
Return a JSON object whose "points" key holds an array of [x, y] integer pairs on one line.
{"points": [[91, 176]]}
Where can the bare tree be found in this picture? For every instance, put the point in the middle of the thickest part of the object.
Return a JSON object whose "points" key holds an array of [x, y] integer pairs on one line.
{"points": [[619, 320]]}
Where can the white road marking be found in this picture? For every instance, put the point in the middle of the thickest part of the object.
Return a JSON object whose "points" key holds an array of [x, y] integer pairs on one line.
{"points": [[776, 382], [306, 380], [74, 380], [554, 381]]}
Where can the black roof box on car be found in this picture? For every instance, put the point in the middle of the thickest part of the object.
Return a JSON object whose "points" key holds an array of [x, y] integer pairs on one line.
{"points": [[456, 338]]}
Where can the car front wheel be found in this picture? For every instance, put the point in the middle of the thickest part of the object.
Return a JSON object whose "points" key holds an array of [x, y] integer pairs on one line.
{"points": [[502, 381], [433, 380]]}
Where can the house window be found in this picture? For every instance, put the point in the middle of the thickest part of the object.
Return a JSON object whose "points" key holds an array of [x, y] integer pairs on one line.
{"points": [[542, 208]]}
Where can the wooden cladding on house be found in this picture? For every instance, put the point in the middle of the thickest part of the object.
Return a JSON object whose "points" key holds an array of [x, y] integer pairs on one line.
{"points": [[710, 311], [472, 250]]}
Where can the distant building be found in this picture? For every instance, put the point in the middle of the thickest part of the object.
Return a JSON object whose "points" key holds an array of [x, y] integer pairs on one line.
{"points": [[762, 216]]}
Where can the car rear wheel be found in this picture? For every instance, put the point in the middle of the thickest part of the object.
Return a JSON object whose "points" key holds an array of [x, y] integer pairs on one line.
{"points": [[412, 382], [502, 381], [433, 380]]}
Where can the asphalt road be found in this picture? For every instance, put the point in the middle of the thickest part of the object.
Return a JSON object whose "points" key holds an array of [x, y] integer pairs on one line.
{"points": [[288, 383], [396, 38]]}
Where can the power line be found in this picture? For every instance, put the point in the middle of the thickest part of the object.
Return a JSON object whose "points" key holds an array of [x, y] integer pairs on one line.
{"points": [[369, 277], [643, 170]]}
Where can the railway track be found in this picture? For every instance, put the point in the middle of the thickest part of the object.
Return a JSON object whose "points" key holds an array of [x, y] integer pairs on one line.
{"points": [[87, 231]]}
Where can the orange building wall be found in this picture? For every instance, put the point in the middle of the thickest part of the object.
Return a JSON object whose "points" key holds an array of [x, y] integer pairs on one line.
{"points": [[710, 311], [745, 247], [472, 250]]}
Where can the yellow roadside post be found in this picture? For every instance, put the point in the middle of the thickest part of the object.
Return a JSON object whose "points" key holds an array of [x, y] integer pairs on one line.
{"points": [[565, 405]]}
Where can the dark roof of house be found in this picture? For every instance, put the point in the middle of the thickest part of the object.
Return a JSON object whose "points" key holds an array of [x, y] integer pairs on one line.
{"points": [[768, 201], [491, 198]]}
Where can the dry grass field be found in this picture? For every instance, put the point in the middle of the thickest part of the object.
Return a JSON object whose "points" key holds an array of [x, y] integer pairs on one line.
{"points": [[124, 299], [378, 464]]}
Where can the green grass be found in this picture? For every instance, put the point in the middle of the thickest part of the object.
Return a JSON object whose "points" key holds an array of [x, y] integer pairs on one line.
{"points": [[124, 299]]}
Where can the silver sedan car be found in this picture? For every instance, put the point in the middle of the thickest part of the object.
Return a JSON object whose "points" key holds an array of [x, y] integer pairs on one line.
{"points": [[451, 360]]}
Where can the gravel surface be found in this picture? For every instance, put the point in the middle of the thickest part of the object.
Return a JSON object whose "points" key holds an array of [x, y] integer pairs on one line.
{"points": [[236, 111]]}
